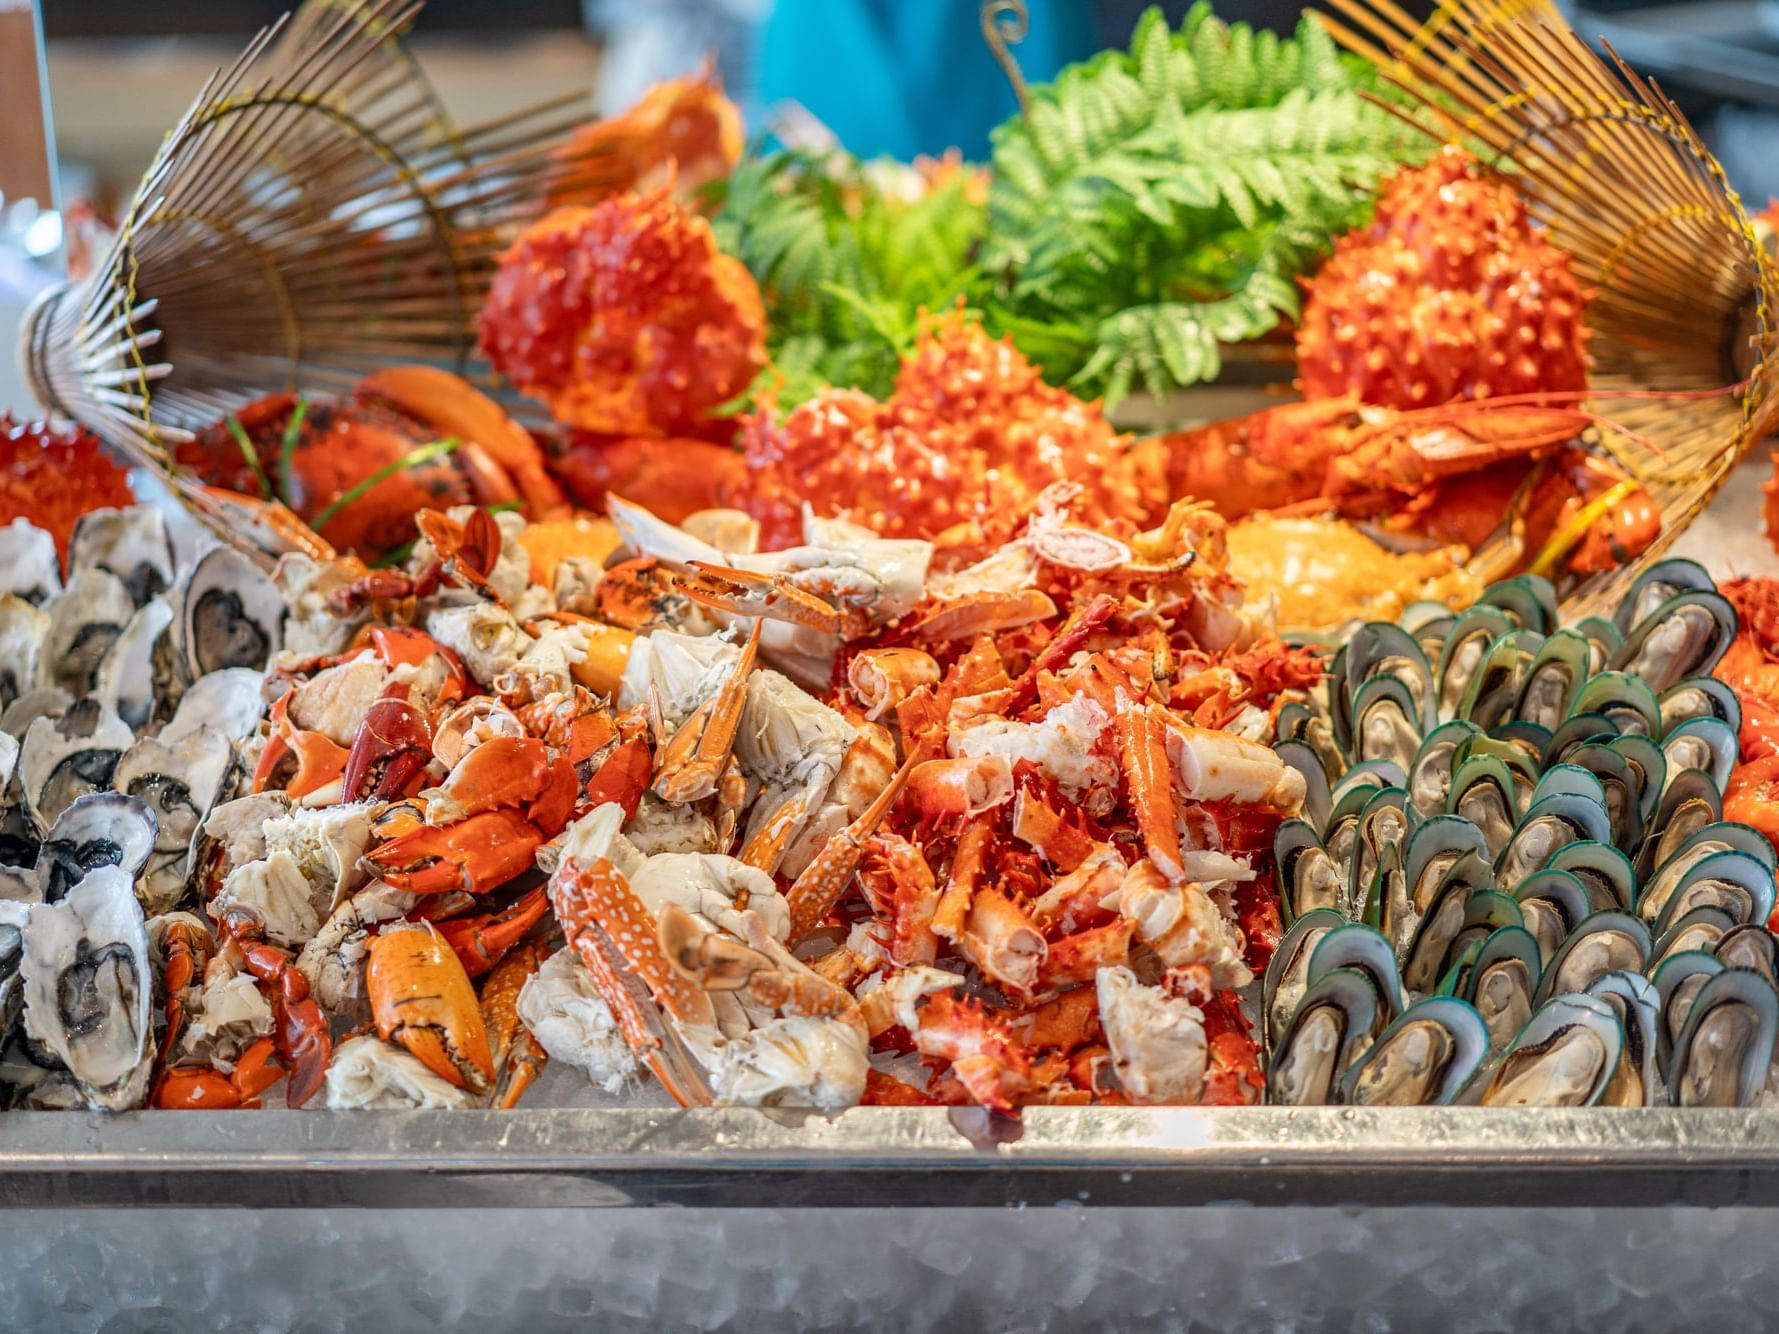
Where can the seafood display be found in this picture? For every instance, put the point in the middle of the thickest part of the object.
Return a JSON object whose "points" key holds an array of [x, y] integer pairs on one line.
{"points": [[768, 678], [1518, 880]]}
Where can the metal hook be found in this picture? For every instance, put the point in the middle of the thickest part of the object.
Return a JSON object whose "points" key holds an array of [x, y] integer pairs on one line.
{"points": [[1005, 24]]}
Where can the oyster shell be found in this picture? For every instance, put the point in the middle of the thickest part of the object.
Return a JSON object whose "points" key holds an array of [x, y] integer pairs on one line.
{"points": [[100, 829], [178, 783], [88, 985], [84, 622], [64, 758], [23, 629], [29, 566], [132, 544], [230, 615]]}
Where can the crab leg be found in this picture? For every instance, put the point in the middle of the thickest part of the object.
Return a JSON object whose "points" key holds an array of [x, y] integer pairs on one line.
{"points": [[1142, 751], [693, 760], [750, 593], [814, 893]]}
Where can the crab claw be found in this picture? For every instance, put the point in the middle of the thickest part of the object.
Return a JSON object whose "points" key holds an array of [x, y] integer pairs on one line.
{"points": [[480, 941], [477, 854], [468, 551], [316, 761], [421, 997], [299, 1028], [205, 1089], [751, 593], [510, 771], [389, 753], [622, 777]]}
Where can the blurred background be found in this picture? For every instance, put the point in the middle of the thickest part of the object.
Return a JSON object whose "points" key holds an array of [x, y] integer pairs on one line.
{"points": [[886, 75], [900, 77]]}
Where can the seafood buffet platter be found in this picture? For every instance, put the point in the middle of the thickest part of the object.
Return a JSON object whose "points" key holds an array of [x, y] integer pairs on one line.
{"points": [[763, 734]]}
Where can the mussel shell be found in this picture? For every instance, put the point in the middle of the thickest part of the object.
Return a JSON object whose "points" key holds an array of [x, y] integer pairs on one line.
{"points": [[1750, 945], [100, 829], [1602, 942], [1384, 822], [1637, 1080], [1685, 636], [1363, 949], [1465, 645], [132, 544], [1332, 1026], [1602, 637], [1489, 699], [1690, 803], [1554, 679], [1659, 584], [1440, 928], [1502, 982], [1678, 863], [1552, 822], [30, 569], [1386, 722], [1287, 972], [1433, 849], [1293, 720], [65, 758], [1628, 703], [1677, 980], [1700, 697], [1578, 729], [1731, 880], [1308, 877], [88, 986], [84, 621], [1604, 871], [1702, 743], [1318, 802], [1425, 616], [1483, 792], [1378, 650], [231, 615], [1620, 786], [1552, 904], [1530, 599], [1564, 1056], [1648, 764], [1701, 929], [1427, 1054], [1721, 1057], [1429, 777], [1367, 776]]}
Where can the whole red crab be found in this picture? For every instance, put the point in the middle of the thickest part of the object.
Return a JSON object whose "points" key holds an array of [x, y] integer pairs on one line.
{"points": [[625, 318]]}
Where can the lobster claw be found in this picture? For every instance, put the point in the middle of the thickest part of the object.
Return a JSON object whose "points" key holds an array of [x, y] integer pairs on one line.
{"points": [[389, 754], [477, 854], [422, 998]]}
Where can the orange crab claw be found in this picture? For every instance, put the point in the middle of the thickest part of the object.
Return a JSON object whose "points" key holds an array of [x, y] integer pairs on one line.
{"points": [[623, 777], [314, 761], [518, 1057], [299, 1028], [512, 771], [480, 941], [478, 854], [389, 755], [421, 997], [208, 1090], [467, 551]]}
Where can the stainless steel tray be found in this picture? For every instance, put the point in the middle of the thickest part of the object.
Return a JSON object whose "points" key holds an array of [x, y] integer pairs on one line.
{"points": [[891, 1157]]}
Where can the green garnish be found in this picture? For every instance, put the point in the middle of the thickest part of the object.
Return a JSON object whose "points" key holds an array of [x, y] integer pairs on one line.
{"points": [[293, 429], [501, 506], [238, 433], [414, 458]]}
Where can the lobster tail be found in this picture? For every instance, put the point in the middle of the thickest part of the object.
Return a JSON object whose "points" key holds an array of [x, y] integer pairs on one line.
{"points": [[1682, 296]]}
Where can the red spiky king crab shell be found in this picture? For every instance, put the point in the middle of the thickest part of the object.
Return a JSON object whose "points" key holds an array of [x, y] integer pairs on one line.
{"points": [[1449, 293], [625, 318], [52, 477]]}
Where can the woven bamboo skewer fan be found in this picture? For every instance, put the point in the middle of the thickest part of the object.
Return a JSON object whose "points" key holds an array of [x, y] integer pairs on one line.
{"points": [[1683, 296], [312, 217]]}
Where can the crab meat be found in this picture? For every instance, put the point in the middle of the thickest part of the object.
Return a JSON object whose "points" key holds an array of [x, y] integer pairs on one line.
{"points": [[565, 1013], [1157, 1041], [368, 1074]]}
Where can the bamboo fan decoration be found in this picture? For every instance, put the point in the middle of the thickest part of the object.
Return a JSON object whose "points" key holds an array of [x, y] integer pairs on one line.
{"points": [[312, 217], [1683, 295]]}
